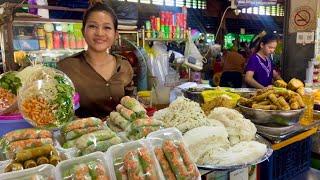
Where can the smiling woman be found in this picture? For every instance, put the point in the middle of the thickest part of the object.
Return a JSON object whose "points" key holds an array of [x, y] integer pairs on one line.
{"points": [[99, 77]]}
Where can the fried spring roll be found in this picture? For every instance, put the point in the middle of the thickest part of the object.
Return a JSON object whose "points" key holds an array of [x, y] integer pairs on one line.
{"points": [[274, 99], [264, 107], [82, 123], [29, 164], [300, 101], [283, 103], [29, 133], [266, 102], [294, 105], [300, 91], [164, 164], [147, 163], [263, 96], [34, 153], [42, 160], [13, 167], [54, 160]]}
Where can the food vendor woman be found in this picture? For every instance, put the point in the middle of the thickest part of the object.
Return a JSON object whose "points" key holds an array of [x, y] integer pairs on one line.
{"points": [[259, 70], [99, 77]]}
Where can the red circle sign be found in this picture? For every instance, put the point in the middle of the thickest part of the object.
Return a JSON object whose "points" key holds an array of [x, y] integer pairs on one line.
{"points": [[302, 18]]}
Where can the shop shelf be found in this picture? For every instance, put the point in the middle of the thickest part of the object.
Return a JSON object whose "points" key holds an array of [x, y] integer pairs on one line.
{"points": [[288, 162]]}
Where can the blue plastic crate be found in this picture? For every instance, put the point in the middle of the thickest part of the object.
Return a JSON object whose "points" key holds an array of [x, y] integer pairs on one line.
{"points": [[288, 161]]}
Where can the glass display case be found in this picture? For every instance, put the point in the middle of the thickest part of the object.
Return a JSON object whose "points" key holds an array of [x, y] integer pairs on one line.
{"points": [[27, 39]]}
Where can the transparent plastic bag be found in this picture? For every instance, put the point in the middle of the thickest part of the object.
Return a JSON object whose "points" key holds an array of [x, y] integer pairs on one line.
{"points": [[172, 154], [133, 159], [89, 166], [140, 128], [47, 103], [45, 171]]}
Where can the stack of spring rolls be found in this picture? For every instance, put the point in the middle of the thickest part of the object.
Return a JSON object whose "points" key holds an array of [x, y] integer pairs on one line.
{"points": [[89, 135], [29, 148], [131, 117], [175, 161], [91, 170], [136, 164]]}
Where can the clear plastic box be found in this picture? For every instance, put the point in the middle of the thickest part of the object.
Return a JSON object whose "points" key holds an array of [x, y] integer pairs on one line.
{"points": [[157, 138], [116, 154], [45, 171], [69, 164]]}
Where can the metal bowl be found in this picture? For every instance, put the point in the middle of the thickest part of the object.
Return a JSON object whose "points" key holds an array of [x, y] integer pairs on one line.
{"points": [[272, 117], [244, 92]]}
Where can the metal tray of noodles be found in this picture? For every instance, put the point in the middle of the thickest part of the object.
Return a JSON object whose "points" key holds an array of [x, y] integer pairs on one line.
{"points": [[240, 166]]}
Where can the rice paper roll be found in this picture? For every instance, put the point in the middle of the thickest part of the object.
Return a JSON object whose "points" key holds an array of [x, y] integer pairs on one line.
{"points": [[133, 105], [118, 120], [102, 145], [126, 113], [92, 138], [82, 123], [79, 132]]}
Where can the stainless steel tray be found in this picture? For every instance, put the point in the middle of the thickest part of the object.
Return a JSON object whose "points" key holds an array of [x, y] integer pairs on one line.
{"points": [[240, 166], [278, 131]]}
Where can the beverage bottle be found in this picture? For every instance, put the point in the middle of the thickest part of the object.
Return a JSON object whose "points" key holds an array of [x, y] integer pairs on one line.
{"points": [[308, 99]]}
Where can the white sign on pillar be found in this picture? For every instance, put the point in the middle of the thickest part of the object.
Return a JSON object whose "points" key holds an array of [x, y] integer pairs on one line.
{"points": [[303, 16]]}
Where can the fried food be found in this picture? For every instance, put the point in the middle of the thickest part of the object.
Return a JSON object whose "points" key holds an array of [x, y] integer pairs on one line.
{"points": [[295, 84], [280, 83]]}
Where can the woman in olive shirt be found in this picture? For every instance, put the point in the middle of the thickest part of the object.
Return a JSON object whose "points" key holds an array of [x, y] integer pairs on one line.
{"points": [[99, 77]]}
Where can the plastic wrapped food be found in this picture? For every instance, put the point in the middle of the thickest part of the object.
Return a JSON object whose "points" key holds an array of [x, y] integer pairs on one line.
{"points": [[33, 153], [142, 127], [81, 123], [118, 120], [126, 113], [133, 160], [173, 157], [43, 172], [102, 145], [7, 101], [92, 166], [92, 138], [47, 103], [29, 133]]}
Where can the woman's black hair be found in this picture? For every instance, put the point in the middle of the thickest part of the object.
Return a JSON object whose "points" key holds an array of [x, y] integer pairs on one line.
{"points": [[270, 37], [99, 7]]}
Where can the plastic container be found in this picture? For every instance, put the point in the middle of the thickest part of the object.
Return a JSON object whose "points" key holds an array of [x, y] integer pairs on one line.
{"points": [[157, 139], [45, 171], [116, 153], [68, 165], [288, 162], [12, 122]]}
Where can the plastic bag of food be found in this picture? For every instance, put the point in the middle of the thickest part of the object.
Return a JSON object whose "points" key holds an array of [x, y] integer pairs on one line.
{"points": [[134, 160], [92, 166], [18, 140], [172, 155], [47, 103], [45, 171]]}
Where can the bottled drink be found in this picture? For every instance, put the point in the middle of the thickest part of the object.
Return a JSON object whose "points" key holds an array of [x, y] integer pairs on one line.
{"points": [[309, 102]]}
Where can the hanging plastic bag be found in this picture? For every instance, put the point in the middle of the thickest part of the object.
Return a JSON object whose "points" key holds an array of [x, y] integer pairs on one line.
{"points": [[192, 55]]}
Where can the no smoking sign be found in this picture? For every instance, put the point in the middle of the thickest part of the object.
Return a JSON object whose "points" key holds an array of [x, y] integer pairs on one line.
{"points": [[303, 18]]}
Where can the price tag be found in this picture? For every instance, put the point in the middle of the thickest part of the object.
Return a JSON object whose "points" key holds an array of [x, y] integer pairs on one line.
{"points": [[240, 174]]}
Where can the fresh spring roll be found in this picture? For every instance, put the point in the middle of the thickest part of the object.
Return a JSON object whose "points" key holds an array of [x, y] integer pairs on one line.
{"points": [[54, 159], [13, 167], [102, 145], [133, 105], [34, 153], [81, 171], [141, 132], [97, 170], [192, 169], [175, 160], [81, 124], [126, 113], [79, 132], [29, 164], [118, 120], [70, 143], [133, 166], [20, 145], [146, 122], [164, 164], [92, 138], [147, 163], [42, 160], [29, 133], [120, 170], [114, 127]]}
